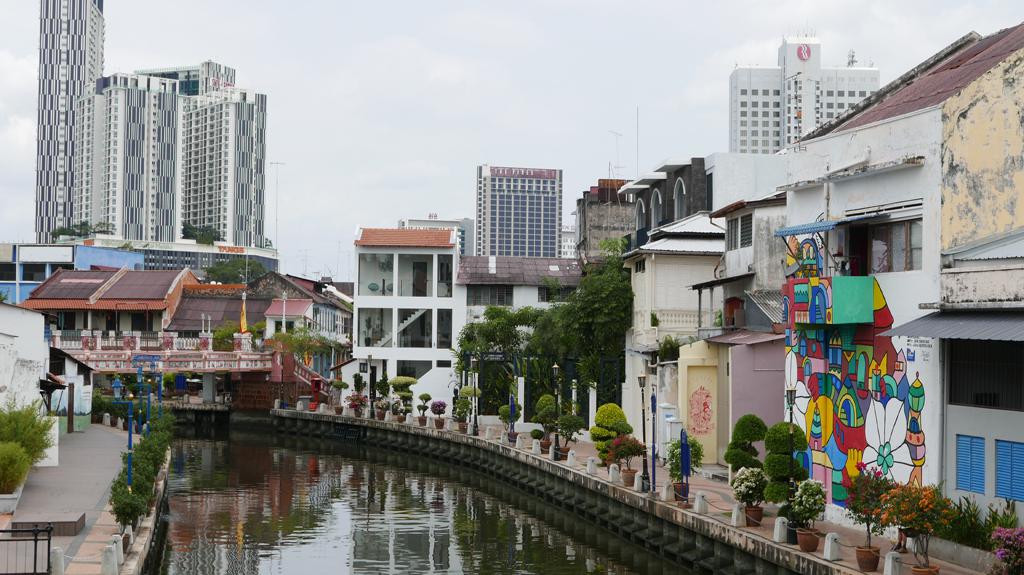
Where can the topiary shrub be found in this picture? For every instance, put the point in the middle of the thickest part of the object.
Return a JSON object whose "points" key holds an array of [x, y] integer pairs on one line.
{"points": [[609, 423], [27, 427], [779, 464], [14, 464], [741, 452], [401, 385]]}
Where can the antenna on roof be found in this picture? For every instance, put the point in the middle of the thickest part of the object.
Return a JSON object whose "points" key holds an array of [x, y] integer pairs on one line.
{"points": [[851, 59]]}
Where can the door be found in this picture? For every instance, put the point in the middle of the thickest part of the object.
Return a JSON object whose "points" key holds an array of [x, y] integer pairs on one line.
{"points": [[419, 279]]}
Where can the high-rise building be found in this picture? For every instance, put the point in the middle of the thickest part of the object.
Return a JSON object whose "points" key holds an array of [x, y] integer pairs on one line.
{"points": [[771, 107], [196, 80], [70, 61], [464, 226], [568, 246], [129, 138], [518, 212], [225, 164]]}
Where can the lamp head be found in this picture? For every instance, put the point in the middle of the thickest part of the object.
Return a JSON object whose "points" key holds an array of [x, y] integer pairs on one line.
{"points": [[554, 369], [118, 386], [642, 380], [131, 396]]}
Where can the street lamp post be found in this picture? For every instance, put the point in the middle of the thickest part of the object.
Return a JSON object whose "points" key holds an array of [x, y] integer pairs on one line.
{"points": [[790, 400], [373, 385], [645, 478], [476, 397], [128, 400], [558, 409]]}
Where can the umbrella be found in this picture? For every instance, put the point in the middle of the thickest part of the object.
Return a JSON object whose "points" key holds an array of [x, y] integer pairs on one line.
{"points": [[684, 465]]}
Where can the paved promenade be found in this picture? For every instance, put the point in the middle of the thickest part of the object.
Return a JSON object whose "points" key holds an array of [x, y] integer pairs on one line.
{"points": [[89, 461]]}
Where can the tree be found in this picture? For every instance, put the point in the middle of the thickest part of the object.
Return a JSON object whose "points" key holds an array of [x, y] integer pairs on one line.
{"points": [[201, 234], [82, 229], [741, 452], [234, 271]]}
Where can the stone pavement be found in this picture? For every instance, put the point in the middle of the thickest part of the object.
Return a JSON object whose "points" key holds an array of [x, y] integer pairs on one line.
{"points": [[89, 461], [720, 502]]}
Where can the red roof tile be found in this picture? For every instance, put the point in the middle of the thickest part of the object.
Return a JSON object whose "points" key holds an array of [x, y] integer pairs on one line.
{"points": [[101, 304], [394, 237]]}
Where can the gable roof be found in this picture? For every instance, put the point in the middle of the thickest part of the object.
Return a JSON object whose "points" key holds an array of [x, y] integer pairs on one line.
{"points": [[509, 270], [123, 289], [406, 237], [933, 81], [289, 308]]}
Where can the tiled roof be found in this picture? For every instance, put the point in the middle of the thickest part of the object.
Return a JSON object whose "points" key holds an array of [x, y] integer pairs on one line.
{"points": [[137, 284], [220, 310], [290, 308], [507, 270], [101, 304], [405, 237], [72, 284], [935, 80]]}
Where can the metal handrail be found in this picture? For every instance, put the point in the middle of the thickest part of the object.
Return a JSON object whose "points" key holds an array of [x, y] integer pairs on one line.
{"points": [[20, 548]]}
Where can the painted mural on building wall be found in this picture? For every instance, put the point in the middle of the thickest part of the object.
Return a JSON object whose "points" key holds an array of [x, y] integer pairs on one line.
{"points": [[856, 400], [702, 417]]}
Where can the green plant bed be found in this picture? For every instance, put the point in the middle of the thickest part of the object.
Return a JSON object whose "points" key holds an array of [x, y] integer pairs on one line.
{"points": [[14, 466], [779, 465], [741, 452]]}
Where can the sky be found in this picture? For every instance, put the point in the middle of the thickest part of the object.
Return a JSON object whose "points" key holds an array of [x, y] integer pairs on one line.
{"points": [[382, 110]]}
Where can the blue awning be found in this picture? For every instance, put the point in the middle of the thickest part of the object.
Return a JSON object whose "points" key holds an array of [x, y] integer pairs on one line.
{"points": [[818, 227]]}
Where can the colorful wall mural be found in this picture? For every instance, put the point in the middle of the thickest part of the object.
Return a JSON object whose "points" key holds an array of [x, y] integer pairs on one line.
{"points": [[855, 399]]}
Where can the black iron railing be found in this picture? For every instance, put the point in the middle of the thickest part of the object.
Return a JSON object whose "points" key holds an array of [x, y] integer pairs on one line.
{"points": [[25, 551]]}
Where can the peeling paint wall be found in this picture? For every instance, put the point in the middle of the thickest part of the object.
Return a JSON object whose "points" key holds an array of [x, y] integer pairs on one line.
{"points": [[983, 156]]}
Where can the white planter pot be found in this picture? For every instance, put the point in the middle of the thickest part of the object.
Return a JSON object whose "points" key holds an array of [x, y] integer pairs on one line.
{"points": [[9, 501]]}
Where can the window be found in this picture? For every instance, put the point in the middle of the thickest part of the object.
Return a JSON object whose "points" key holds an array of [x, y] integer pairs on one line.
{"points": [[679, 198], [489, 295], [746, 230], [415, 369], [547, 294], [656, 208], [415, 328], [444, 329], [443, 363], [970, 463], [986, 373], [375, 327], [33, 272], [1009, 467], [416, 275], [731, 233], [743, 92], [641, 215], [896, 247], [640, 266], [444, 275], [376, 274], [7, 272]]}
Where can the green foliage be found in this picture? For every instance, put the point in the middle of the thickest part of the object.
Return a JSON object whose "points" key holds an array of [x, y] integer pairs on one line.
{"points": [[779, 464], [461, 410], [27, 427], [569, 426], [741, 452], [201, 234], [609, 423], [235, 271], [358, 383], [422, 407], [748, 485], [401, 384], [148, 457], [970, 528], [655, 322], [537, 434], [672, 455], [808, 503], [469, 391], [864, 499], [339, 385], [383, 386], [505, 414], [544, 402], [668, 349], [624, 449], [14, 465], [302, 341], [82, 230], [224, 336]]}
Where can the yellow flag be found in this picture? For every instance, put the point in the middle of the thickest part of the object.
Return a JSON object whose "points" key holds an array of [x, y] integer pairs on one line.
{"points": [[241, 318]]}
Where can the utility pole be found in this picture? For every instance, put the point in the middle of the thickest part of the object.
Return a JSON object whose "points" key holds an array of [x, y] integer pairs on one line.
{"points": [[277, 204]]}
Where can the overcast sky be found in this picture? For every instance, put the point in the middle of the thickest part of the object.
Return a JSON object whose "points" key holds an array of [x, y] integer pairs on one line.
{"points": [[381, 110]]}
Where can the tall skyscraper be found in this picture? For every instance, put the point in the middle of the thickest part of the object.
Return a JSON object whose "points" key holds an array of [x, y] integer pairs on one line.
{"points": [[128, 169], [518, 212], [196, 80], [70, 61], [771, 107], [225, 164]]}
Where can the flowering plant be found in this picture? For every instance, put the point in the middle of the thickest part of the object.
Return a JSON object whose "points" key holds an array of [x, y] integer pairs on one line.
{"points": [[438, 407], [748, 485], [808, 503], [920, 511], [357, 401], [624, 448], [1009, 545], [864, 502]]}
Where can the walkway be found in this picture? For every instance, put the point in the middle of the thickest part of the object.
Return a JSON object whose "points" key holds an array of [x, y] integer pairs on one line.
{"points": [[89, 461]]}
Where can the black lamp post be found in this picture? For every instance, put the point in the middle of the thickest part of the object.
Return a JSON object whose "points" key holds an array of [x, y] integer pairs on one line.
{"points": [[558, 408], [645, 477], [790, 400], [373, 385], [475, 366]]}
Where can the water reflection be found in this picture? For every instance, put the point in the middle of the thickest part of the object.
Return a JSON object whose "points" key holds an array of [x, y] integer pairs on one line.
{"points": [[250, 505]]}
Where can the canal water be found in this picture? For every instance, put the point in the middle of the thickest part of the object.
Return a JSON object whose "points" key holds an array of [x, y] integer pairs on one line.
{"points": [[266, 504]]}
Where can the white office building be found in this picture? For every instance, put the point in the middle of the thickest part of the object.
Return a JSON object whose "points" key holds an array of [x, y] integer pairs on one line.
{"points": [[518, 212], [70, 61], [128, 168], [771, 107], [196, 80], [568, 247]]}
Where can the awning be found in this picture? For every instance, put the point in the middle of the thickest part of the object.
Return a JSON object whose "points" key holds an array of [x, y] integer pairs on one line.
{"points": [[818, 227], [721, 281], [745, 337], [993, 325]]}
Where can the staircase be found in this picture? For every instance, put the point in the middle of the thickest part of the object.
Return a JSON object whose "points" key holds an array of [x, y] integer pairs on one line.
{"points": [[386, 341]]}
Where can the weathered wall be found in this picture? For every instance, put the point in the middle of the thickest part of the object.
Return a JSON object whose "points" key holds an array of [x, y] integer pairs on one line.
{"points": [[983, 156], [603, 221]]}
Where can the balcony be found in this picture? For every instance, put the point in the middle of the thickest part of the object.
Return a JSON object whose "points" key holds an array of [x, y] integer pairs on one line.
{"points": [[833, 300]]}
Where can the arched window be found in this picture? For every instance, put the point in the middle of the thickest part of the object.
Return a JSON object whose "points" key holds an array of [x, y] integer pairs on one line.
{"points": [[656, 208], [679, 198], [641, 214]]}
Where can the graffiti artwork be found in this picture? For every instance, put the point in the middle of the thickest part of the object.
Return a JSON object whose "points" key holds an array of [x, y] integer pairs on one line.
{"points": [[855, 399], [702, 420]]}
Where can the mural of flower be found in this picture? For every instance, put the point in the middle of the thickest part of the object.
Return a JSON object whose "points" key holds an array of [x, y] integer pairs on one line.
{"points": [[886, 431]]}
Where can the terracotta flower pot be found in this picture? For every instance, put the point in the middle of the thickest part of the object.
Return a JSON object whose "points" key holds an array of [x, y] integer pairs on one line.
{"points": [[930, 570], [867, 558], [808, 540], [439, 423], [754, 515], [463, 426], [545, 445], [339, 409], [628, 477], [563, 452], [422, 420], [512, 435], [381, 415]]}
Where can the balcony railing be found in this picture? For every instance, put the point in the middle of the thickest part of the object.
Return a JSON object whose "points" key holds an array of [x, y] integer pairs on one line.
{"points": [[636, 239]]}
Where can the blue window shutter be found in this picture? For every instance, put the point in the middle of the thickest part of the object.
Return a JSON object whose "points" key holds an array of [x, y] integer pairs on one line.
{"points": [[1010, 470], [978, 465], [1018, 471], [963, 462]]}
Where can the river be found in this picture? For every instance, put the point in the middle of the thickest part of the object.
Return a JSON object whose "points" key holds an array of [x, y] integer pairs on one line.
{"points": [[266, 504]]}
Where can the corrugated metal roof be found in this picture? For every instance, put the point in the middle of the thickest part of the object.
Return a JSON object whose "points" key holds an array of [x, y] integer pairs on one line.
{"points": [[993, 325], [683, 246], [696, 224], [769, 301], [816, 227], [745, 337], [72, 284], [290, 308], [507, 270], [188, 316], [137, 284]]}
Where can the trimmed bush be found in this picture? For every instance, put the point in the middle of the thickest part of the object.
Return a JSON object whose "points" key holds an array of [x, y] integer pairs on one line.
{"points": [[741, 452], [14, 465], [401, 385], [27, 427], [147, 459], [609, 423], [779, 465]]}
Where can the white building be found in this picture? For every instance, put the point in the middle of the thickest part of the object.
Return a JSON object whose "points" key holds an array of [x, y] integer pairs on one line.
{"points": [[515, 282], [518, 212], [463, 225], [408, 309], [24, 354], [196, 80], [568, 249], [771, 107], [128, 168], [70, 61]]}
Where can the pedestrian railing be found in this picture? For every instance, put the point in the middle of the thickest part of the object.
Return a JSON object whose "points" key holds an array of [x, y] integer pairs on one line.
{"points": [[25, 551]]}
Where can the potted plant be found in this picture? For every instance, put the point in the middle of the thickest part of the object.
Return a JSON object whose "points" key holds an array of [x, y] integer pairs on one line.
{"points": [[919, 511], [340, 386], [623, 450], [401, 385], [537, 434], [398, 411], [461, 413], [1009, 544], [383, 405], [808, 504], [505, 415], [569, 426], [358, 383], [422, 408], [544, 415], [380, 408], [357, 403], [609, 423], [438, 407], [680, 489], [864, 505], [748, 488]]}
